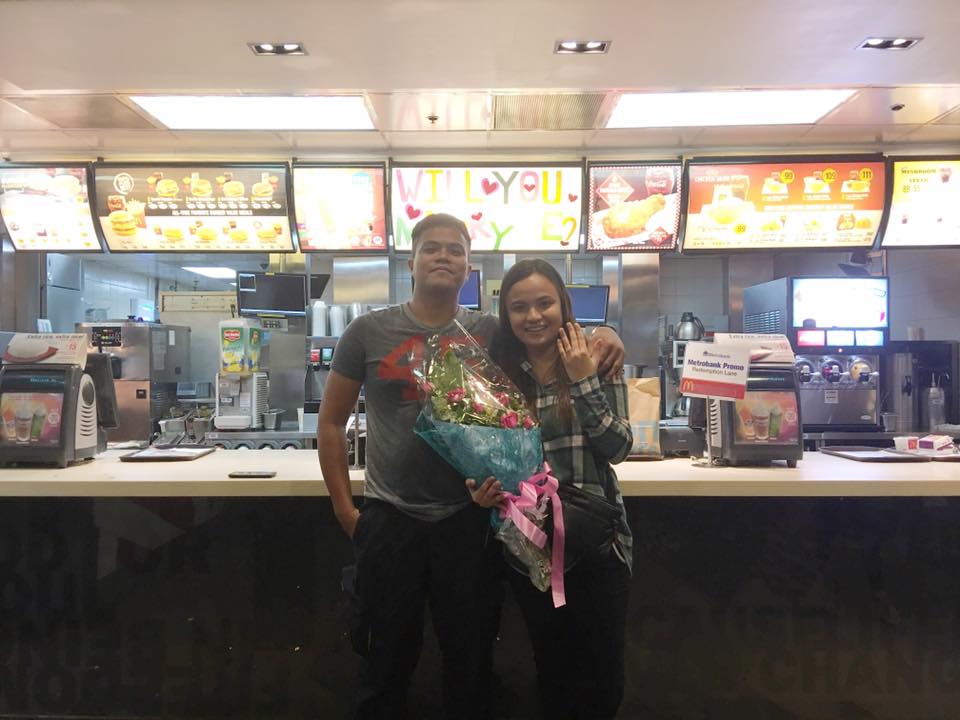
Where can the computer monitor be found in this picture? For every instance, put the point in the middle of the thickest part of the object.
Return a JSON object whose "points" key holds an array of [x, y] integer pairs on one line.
{"points": [[589, 303], [100, 369], [470, 292], [271, 293]]}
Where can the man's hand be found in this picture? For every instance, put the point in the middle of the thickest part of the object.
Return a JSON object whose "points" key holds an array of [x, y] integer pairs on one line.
{"points": [[607, 350], [487, 495], [348, 521]]}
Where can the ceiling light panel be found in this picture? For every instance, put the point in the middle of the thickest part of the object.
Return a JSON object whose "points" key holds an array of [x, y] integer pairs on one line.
{"points": [[257, 112], [714, 109]]}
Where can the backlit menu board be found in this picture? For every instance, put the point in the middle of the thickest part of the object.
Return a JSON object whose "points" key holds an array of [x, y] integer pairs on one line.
{"points": [[634, 207], [194, 208], [47, 208], [340, 208], [926, 204], [784, 204], [507, 208]]}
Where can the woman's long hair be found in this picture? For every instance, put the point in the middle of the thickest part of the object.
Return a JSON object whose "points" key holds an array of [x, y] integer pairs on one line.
{"points": [[509, 352]]}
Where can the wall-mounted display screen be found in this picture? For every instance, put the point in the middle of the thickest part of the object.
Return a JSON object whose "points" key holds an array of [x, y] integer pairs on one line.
{"points": [[47, 208], [589, 303], [841, 303], [925, 210], [634, 207], [506, 208], [200, 208], [784, 205], [340, 208], [470, 292], [271, 293]]}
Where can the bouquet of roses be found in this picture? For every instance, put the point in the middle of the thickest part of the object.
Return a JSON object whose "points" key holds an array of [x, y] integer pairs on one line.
{"points": [[473, 416], [477, 420]]}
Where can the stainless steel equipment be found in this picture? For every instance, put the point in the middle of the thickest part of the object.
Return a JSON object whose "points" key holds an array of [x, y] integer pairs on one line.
{"points": [[839, 392], [241, 401], [689, 327], [673, 349], [921, 384], [149, 359]]}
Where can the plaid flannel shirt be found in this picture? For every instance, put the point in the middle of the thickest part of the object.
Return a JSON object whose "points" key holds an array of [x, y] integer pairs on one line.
{"points": [[580, 452]]}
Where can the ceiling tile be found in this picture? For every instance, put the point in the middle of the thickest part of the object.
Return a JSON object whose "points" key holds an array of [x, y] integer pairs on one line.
{"points": [[871, 106], [644, 138], [752, 135], [857, 133], [45, 141], [238, 140], [540, 139], [436, 140], [934, 133], [83, 111], [410, 111], [14, 118], [334, 141]]}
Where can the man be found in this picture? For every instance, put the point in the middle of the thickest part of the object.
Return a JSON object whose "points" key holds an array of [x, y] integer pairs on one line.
{"points": [[420, 538]]}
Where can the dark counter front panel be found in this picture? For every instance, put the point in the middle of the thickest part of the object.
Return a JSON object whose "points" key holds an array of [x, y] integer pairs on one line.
{"points": [[741, 608]]}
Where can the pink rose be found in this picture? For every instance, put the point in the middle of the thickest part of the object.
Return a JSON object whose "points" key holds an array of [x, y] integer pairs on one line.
{"points": [[455, 396], [479, 407], [510, 420], [503, 399], [527, 422]]}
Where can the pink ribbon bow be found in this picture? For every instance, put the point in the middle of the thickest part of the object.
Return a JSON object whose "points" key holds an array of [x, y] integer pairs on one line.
{"points": [[528, 494]]}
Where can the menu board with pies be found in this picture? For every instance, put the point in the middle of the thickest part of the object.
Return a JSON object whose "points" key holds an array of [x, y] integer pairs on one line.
{"points": [[340, 208], [926, 204], [179, 208], [506, 208], [47, 209], [784, 205], [634, 207]]}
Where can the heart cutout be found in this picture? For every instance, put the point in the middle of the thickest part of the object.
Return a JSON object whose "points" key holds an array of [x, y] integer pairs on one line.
{"points": [[530, 188], [412, 212], [477, 216], [489, 186], [573, 197]]}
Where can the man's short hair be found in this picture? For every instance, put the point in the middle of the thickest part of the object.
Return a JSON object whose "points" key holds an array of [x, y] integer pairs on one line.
{"points": [[438, 220]]}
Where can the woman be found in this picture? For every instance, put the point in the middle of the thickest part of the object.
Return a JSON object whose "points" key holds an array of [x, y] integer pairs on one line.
{"points": [[578, 648]]}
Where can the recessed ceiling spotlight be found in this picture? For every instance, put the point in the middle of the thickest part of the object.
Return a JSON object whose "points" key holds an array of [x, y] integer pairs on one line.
{"points": [[581, 47], [274, 49], [889, 43]]}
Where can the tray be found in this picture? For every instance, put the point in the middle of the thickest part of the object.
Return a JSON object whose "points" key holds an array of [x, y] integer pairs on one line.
{"points": [[945, 457], [872, 454]]}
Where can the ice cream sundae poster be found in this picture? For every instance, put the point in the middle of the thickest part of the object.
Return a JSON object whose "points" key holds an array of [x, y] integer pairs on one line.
{"points": [[505, 208]]}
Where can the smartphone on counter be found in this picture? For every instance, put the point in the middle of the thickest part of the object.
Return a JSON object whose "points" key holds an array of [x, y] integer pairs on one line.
{"points": [[253, 474]]}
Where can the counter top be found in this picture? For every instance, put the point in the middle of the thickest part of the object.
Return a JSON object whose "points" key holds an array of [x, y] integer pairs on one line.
{"points": [[298, 474]]}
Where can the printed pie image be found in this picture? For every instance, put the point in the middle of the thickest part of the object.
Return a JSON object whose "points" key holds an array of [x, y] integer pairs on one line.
{"points": [[173, 234], [122, 223], [233, 188], [815, 185], [238, 235], [201, 188], [167, 188], [630, 218], [207, 234], [855, 186], [262, 189]]}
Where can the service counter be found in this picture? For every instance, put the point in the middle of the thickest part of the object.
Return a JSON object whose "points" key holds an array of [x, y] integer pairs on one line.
{"points": [[142, 590]]}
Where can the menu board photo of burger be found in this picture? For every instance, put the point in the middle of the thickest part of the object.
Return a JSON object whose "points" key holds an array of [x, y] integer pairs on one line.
{"points": [[176, 208], [47, 208], [340, 208], [634, 207], [784, 204], [925, 211]]}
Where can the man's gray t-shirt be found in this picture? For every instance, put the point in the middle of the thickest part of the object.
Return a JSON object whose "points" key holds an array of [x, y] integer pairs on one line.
{"points": [[381, 350]]}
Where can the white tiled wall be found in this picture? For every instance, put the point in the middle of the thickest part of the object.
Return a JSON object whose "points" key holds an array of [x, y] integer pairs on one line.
{"points": [[925, 292], [697, 285], [111, 290]]}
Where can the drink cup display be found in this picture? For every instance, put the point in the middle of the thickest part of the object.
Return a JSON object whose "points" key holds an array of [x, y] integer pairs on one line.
{"points": [[761, 423], [22, 422], [39, 419], [776, 418]]}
